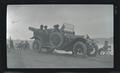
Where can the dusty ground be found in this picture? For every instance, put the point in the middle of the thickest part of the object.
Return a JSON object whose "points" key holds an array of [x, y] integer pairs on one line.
{"points": [[31, 59]]}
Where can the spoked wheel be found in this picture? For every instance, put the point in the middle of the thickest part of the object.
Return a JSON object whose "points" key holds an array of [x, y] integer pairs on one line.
{"points": [[37, 45], [101, 52], [104, 52], [79, 49], [93, 50]]}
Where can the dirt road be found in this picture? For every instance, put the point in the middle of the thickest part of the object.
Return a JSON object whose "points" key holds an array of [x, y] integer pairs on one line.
{"points": [[31, 59]]}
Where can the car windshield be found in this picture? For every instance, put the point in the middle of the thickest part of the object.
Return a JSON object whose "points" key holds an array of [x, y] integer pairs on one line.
{"points": [[68, 27]]}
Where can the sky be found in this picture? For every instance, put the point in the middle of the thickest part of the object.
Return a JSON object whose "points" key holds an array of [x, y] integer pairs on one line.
{"points": [[94, 20]]}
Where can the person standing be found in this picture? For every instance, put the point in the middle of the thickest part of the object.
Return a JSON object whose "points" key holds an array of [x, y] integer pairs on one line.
{"points": [[11, 44], [106, 45], [27, 46], [41, 27]]}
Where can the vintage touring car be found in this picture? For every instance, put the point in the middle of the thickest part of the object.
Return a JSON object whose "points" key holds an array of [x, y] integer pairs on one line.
{"points": [[63, 38]]}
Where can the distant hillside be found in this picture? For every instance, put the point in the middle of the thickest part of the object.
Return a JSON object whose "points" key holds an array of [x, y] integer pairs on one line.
{"points": [[18, 41], [98, 40], [102, 40]]}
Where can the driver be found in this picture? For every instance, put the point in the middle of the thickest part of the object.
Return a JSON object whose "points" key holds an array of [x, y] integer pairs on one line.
{"points": [[106, 45]]}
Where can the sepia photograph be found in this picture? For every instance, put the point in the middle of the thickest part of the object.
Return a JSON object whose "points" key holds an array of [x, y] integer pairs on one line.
{"points": [[60, 36]]}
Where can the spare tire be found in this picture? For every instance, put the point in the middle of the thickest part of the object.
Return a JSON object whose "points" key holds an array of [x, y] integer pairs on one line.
{"points": [[56, 39]]}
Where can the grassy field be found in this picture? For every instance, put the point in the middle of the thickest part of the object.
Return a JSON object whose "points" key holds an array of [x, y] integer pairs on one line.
{"points": [[31, 59]]}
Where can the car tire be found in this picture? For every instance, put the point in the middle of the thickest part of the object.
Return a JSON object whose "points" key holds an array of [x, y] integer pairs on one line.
{"points": [[79, 49]]}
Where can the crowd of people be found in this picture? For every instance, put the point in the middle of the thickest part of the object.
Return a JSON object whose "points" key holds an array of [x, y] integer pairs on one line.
{"points": [[26, 45], [21, 45]]}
